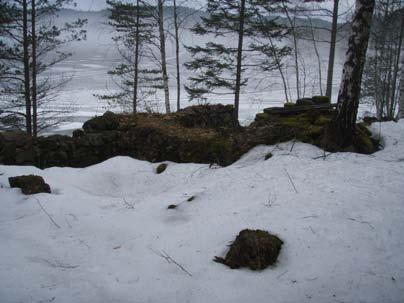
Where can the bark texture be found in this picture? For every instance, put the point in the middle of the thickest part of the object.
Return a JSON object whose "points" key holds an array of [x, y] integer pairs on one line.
{"points": [[401, 102], [348, 97], [27, 82], [331, 58], [239, 59], [163, 54]]}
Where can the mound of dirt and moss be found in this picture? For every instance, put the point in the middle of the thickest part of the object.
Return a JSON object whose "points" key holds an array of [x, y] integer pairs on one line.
{"points": [[29, 184], [256, 249]]}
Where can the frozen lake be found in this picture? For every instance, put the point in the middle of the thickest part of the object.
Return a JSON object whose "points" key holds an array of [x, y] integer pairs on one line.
{"points": [[93, 58]]}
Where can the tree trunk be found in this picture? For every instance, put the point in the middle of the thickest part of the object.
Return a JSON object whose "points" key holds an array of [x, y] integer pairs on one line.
{"points": [[239, 60], [295, 50], [320, 78], [34, 72], [136, 76], [163, 55], [177, 55], [331, 58], [348, 97], [397, 66], [401, 102], [27, 82]]}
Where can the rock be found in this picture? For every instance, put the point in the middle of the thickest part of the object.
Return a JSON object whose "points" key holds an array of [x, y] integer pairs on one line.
{"points": [[304, 102], [161, 168], [289, 105], [207, 116], [256, 249], [268, 156], [78, 133], [363, 141], [108, 121], [16, 148], [30, 184], [321, 99]]}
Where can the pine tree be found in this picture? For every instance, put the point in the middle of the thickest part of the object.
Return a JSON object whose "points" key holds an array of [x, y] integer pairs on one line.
{"points": [[135, 37], [29, 45], [218, 66]]}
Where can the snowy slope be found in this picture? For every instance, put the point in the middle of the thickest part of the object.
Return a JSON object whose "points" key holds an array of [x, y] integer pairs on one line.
{"points": [[342, 228]]}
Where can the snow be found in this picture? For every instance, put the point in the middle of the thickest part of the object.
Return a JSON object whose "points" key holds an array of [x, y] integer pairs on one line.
{"points": [[341, 227]]}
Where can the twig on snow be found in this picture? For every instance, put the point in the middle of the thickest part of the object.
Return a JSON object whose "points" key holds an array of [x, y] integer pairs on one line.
{"points": [[282, 274], [169, 259], [322, 156], [291, 181], [362, 222], [293, 145], [54, 264], [49, 216]]}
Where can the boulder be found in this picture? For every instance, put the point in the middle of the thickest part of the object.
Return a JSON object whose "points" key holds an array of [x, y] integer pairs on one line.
{"points": [[256, 249], [304, 102], [29, 184], [321, 99], [207, 116], [108, 121]]}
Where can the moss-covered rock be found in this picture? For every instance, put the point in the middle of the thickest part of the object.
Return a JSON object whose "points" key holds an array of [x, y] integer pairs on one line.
{"points": [[363, 141], [161, 168], [256, 249], [321, 99], [304, 102], [268, 156], [108, 121], [289, 105], [30, 184], [207, 116]]}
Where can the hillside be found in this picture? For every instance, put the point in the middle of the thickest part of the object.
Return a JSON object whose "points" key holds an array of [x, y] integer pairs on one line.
{"points": [[105, 233]]}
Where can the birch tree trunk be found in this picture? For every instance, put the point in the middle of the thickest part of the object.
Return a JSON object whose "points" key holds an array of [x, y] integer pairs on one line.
{"points": [[163, 54], [348, 97]]}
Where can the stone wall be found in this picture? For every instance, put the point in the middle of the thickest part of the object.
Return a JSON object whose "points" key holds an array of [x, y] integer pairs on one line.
{"points": [[180, 137], [199, 134]]}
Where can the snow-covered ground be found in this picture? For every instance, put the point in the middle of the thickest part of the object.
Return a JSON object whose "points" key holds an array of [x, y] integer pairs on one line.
{"points": [[341, 220]]}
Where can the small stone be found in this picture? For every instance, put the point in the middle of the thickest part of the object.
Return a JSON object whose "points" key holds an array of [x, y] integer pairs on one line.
{"points": [[161, 168], [268, 156]]}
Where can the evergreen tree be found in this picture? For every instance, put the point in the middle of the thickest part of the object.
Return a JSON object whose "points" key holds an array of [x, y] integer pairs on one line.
{"points": [[220, 66], [30, 44], [135, 37]]}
